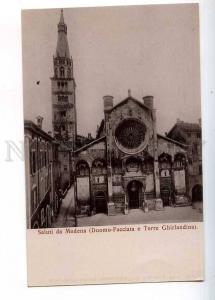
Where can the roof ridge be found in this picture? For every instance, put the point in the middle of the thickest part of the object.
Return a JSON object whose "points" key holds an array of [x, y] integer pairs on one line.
{"points": [[90, 144]]}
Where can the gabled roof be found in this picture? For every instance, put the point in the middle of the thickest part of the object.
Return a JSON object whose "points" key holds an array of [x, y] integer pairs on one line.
{"points": [[186, 127], [126, 100], [96, 141], [172, 141]]}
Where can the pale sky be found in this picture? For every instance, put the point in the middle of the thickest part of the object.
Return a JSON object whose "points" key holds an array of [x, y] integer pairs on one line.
{"points": [[152, 50]]}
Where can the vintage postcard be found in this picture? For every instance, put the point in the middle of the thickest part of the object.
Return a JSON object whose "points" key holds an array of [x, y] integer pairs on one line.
{"points": [[113, 145]]}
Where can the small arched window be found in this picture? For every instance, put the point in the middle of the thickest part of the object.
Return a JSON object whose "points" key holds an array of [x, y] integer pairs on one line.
{"points": [[164, 161], [82, 168], [179, 161], [55, 72], [62, 71], [99, 167]]}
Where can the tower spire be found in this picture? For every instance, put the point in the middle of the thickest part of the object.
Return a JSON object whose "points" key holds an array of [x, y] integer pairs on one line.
{"points": [[61, 17], [62, 49]]}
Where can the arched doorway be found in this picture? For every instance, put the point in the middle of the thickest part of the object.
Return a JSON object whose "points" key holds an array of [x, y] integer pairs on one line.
{"points": [[100, 203], [134, 194], [197, 194]]}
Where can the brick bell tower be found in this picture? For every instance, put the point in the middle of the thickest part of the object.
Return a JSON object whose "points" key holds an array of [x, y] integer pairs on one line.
{"points": [[63, 91]]}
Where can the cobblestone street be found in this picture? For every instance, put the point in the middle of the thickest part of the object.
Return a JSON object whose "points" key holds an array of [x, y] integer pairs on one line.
{"points": [[66, 213]]}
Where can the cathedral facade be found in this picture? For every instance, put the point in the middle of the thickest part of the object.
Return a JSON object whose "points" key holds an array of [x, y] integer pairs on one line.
{"points": [[129, 165]]}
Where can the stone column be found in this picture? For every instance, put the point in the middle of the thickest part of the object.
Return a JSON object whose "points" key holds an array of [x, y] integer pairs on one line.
{"points": [[110, 187], [172, 182], [155, 147], [187, 181], [158, 201], [92, 200], [108, 104], [110, 204], [157, 179]]}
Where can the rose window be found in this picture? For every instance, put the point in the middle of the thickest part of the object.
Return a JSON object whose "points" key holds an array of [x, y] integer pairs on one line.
{"points": [[130, 133]]}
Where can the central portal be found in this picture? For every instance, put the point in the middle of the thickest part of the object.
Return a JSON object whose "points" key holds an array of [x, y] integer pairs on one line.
{"points": [[134, 194]]}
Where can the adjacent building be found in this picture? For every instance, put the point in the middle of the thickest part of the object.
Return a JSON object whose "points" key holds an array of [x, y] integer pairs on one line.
{"points": [[42, 175], [190, 134]]}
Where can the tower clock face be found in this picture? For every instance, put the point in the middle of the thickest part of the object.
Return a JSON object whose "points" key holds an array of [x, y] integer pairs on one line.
{"points": [[130, 135]]}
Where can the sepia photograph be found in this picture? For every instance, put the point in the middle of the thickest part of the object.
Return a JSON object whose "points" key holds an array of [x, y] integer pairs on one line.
{"points": [[112, 110]]}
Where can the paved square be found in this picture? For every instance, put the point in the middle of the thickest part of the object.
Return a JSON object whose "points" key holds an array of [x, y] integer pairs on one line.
{"points": [[137, 216]]}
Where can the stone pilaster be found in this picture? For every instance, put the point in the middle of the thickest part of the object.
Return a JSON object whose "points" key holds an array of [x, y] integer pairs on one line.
{"points": [[155, 148]]}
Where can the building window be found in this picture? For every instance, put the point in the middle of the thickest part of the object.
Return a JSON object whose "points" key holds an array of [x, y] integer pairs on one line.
{"points": [[63, 113], [40, 159], [198, 135], [55, 72], [164, 161], [82, 169], [62, 98], [65, 168], [62, 71], [179, 161], [99, 167], [165, 173], [33, 161], [130, 133]]}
